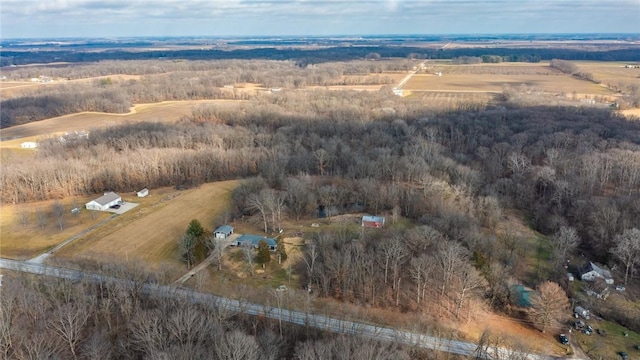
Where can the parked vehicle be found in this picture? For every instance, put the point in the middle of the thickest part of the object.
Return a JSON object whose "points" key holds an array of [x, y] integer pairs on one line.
{"points": [[581, 312], [563, 339], [623, 355]]}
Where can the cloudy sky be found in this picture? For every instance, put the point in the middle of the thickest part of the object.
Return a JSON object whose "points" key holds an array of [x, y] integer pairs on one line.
{"points": [[110, 18]]}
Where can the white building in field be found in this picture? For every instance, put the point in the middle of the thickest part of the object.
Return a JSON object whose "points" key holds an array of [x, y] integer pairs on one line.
{"points": [[29, 145], [104, 202]]}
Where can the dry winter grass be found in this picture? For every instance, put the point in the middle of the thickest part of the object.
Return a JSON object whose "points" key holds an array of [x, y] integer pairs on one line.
{"points": [[20, 240], [167, 111], [150, 232]]}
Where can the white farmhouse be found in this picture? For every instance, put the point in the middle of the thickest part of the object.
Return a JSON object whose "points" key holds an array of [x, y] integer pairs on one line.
{"points": [[104, 202], [591, 272]]}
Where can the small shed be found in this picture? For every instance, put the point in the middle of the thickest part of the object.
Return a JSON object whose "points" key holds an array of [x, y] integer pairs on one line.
{"points": [[373, 221], [142, 193], [223, 232], [247, 240], [104, 202]]}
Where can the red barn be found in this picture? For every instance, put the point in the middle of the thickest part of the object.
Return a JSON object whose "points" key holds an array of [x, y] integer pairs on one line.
{"points": [[373, 221]]}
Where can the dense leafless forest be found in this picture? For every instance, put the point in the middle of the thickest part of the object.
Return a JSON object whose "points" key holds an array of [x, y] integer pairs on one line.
{"points": [[453, 173], [64, 320]]}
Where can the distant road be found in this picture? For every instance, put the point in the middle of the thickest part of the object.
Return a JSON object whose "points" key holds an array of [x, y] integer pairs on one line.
{"points": [[295, 317]]}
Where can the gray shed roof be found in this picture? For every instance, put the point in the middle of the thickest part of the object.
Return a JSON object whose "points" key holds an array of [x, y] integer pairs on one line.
{"points": [[107, 198], [225, 229]]}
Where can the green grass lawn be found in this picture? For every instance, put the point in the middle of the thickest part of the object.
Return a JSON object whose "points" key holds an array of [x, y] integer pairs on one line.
{"points": [[614, 341]]}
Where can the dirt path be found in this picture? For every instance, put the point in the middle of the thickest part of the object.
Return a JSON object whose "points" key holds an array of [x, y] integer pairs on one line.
{"points": [[206, 262], [42, 257]]}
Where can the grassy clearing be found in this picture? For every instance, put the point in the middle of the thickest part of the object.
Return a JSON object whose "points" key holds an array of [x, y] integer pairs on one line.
{"points": [[24, 241], [150, 232]]}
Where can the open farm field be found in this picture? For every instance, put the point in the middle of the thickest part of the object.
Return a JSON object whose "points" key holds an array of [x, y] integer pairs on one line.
{"points": [[611, 73], [446, 100], [26, 230], [167, 111], [25, 87], [151, 231], [495, 83], [514, 68], [448, 80]]}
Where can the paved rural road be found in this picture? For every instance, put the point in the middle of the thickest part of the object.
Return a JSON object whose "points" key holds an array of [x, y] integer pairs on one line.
{"points": [[295, 317]]}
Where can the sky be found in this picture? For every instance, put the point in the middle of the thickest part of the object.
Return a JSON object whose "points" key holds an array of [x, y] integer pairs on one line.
{"points": [[130, 18]]}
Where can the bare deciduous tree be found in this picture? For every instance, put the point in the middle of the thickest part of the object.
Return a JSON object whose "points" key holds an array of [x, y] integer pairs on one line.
{"points": [[548, 306], [627, 250], [58, 212], [563, 243], [216, 250], [256, 202], [249, 256], [68, 322]]}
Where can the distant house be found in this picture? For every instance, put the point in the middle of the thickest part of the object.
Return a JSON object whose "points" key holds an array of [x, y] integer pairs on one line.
{"points": [[223, 232], [104, 202], [373, 221], [591, 272], [142, 193], [29, 145], [248, 240]]}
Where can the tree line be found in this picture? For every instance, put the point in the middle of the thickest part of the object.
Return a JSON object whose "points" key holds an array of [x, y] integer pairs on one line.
{"points": [[315, 56]]}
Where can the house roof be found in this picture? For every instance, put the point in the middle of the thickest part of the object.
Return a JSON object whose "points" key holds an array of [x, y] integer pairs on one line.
{"points": [[370, 218], [107, 198], [593, 267], [255, 239], [225, 229]]}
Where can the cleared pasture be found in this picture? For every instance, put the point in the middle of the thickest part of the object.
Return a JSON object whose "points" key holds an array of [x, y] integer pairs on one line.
{"points": [[151, 231], [167, 111]]}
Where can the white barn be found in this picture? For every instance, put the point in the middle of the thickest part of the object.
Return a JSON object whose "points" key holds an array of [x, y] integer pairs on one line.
{"points": [[104, 201], [223, 232]]}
